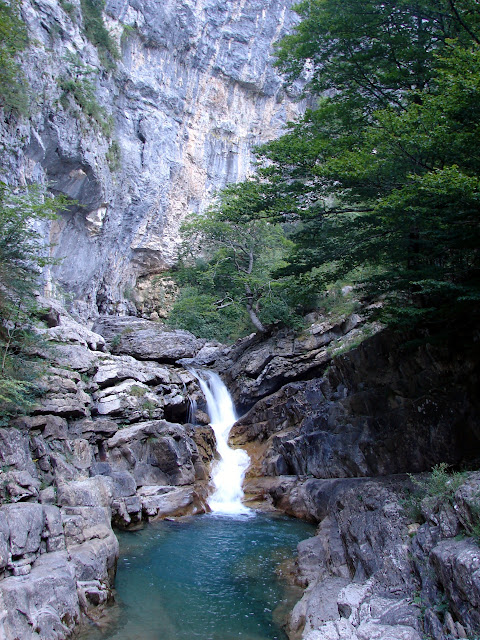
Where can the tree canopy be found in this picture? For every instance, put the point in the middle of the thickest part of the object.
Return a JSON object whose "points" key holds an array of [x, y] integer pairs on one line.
{"points": [[379, 181], [227, 260]]}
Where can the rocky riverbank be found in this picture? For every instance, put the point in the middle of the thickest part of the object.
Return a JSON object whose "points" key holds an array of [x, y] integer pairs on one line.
{"points": [[332, 434], [107, 443]]}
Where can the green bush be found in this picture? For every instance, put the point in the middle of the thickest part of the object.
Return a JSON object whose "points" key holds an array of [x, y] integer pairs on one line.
{"points": [[434, 491], [83, 93], [96, 32], [13, 39], [198, 313], [22, 255]]}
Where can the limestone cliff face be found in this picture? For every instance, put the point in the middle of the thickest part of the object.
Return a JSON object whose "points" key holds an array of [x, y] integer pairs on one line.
{"points": [[193, 91]]}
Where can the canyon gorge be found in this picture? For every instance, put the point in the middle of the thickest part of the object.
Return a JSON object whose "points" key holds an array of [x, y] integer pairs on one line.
{"points": [[343, 420]]}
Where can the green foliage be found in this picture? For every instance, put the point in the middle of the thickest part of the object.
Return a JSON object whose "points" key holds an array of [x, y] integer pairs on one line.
{"points": [[197, 312], [113, 155], [13, 40], [115, 341], [68, 7], [371, 50], [22, 255], [137, 392], [473, 527], [380, 182], [128, 30], [96, 32], [77, 84], [231, 289], [433, 492]]}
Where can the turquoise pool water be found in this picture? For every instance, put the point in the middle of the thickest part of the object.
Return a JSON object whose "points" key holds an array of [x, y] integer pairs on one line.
{"points": [[207, 577]]}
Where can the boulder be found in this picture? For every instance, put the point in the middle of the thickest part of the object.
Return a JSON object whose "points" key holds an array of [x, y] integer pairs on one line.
{"points": [[26, 522], [147, 340], [15, 452], [91, 492], [126, 505], [42, 605], [154, 452], [64, 394], [76, 356], [162, 502], [130, 399], [114, 369]]}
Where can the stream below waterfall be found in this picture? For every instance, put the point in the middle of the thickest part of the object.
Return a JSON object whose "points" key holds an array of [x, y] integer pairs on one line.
{"points": [[210, 577]]}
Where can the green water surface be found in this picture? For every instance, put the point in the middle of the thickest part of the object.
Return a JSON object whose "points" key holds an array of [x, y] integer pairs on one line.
{"points": [[207, 577]]}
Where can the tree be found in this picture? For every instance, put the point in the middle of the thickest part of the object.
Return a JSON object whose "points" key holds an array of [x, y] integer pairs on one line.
{"points": [[239, 250], [22, 256], [384, 172]]}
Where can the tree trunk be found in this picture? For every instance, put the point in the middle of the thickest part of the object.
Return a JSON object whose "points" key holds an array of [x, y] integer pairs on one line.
{"points": [[251, 311]]}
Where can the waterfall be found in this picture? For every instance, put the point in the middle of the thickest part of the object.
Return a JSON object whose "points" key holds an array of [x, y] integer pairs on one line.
{"points": [[228, 472]]}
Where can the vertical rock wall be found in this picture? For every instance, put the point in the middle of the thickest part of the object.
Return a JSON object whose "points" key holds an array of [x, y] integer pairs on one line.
{"points": [[193, 92]]}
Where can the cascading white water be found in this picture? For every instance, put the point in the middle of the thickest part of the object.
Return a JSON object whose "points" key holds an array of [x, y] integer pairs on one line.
{"points": [[228, 472]]}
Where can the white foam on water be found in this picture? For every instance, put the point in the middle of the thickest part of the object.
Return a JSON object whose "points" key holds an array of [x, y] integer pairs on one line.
{"points": [[229, 471]]}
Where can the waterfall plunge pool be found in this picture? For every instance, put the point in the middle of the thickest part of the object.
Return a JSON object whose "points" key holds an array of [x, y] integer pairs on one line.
{"points": [[208, 577]]}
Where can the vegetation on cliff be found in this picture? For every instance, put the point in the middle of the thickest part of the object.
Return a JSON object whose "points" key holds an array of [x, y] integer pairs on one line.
{"points": [[379, 183], [13, 39], [22, 255], [230, 288]]}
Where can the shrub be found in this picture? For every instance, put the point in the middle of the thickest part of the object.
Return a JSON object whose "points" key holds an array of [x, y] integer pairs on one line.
{"points": [[96, 32], [22, 255], [13, 39]]}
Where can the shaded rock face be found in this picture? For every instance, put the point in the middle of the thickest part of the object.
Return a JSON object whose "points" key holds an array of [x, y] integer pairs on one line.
{"points": [[257, 366], [372, 573], [377, 410], [193, 91], [319, 417]]}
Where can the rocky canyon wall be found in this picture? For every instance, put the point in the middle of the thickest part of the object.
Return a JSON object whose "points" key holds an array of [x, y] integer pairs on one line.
{"points": [[175, 120]]}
